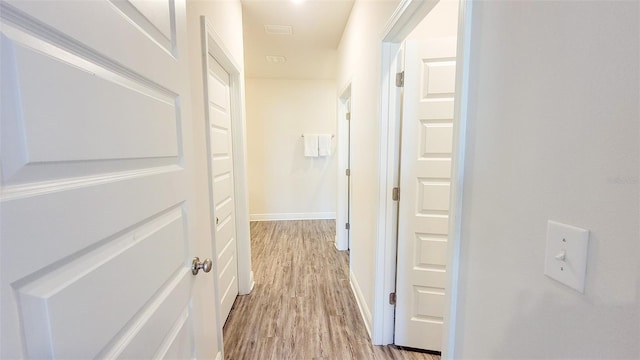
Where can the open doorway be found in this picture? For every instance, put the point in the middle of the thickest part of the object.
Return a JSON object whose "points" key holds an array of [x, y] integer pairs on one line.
{"points": [[229, 223], [344, 170], [426, 133], [426, 44]]}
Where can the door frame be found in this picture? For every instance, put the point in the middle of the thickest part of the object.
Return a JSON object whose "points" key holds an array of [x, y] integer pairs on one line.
{"points": [[407, 16], [344, 200], [213, 45]]}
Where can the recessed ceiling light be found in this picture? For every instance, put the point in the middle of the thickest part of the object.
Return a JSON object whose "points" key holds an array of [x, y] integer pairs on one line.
{"points": [[278, 29], [276, 59], [297, 1]]}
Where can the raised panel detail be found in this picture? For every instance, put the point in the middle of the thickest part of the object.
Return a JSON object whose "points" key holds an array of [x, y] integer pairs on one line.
{"points": [[90, 206], [105, 112], [429, 304], [84, 33], [432, 224], [228, 283], [436, 109], [224, 232], [433, 196], [218, 94], [428, 108], [54, 329], [179, 343], [154, 18], [436, 139], [153, 327], [435, 168], [227, 264], [221, 186], [221, 164], [14, 153], [430, 277], [94, 194], [224, 209], [431, 252], [54, 91], [439, 78], [220, 143], [158, 12]]}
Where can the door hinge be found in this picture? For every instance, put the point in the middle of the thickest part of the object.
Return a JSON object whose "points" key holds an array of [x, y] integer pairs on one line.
{"points": [[348, 116], [396, 194], [392, 298], [348, 172], [347, 226], [400, 79]]}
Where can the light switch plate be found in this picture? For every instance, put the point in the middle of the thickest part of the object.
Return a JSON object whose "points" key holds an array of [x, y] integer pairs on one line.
{"points": [[566, 254]]}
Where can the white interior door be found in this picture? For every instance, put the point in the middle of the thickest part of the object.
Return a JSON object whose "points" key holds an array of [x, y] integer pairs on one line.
{"points": [[223, 185], [425, 178], [347, 105], [344, 174], [95, 195]]}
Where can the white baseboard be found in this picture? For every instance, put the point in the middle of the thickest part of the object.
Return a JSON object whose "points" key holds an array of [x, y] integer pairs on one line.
{"points": [[292, 216], [244, 290], [341, 239], [362, 304], [253, 283]]}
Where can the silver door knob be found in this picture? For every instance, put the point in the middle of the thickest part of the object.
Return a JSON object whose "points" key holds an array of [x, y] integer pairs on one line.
{"points": [[196, 265]]}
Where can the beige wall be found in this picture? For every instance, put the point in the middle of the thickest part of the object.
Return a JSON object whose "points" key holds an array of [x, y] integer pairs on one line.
{"points": [[440, 22], [553, 133], [283, 183], [359, 56]]}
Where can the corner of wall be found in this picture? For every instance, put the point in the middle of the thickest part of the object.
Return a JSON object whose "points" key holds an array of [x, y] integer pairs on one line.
{"points": [[362, 304]]}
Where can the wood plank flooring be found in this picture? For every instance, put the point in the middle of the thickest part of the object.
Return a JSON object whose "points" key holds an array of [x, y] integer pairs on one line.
{"points": [[301, 306]]}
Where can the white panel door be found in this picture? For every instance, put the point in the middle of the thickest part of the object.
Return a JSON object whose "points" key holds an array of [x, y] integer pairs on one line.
{"points": [[223, 199], [425, 179], [95, 177]]}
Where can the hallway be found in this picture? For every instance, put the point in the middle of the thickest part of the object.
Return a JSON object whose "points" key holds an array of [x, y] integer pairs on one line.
{"points": [[301, 306]]}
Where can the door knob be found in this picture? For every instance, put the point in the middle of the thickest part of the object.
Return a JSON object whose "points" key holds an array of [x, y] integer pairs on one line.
{"points": [[196, 265]]}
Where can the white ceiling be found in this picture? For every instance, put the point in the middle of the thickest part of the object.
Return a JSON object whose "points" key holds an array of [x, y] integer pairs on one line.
{"points": [[311, 51]]}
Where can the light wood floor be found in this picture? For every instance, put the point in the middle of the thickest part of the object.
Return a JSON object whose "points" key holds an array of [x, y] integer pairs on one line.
{"points": [[301, 306]]}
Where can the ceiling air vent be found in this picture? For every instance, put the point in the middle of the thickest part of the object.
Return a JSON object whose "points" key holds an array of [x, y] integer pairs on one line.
{"points": [[278, 29], [276, 59]]}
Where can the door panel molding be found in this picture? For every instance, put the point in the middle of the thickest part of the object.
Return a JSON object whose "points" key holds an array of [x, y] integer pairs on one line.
{"points": [[41, 149], [96, 201], [424, 208], [343, 129], [213, 47], [409, 13]]}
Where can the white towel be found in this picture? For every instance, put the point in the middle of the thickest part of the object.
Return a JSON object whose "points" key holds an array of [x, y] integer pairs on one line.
{"points": [[311, 145], [324, 144]]}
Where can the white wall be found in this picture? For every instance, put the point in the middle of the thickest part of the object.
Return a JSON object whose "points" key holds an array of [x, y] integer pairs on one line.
{"points": [[359, 63], [226, 19], [283, 183], [553, 134]]}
